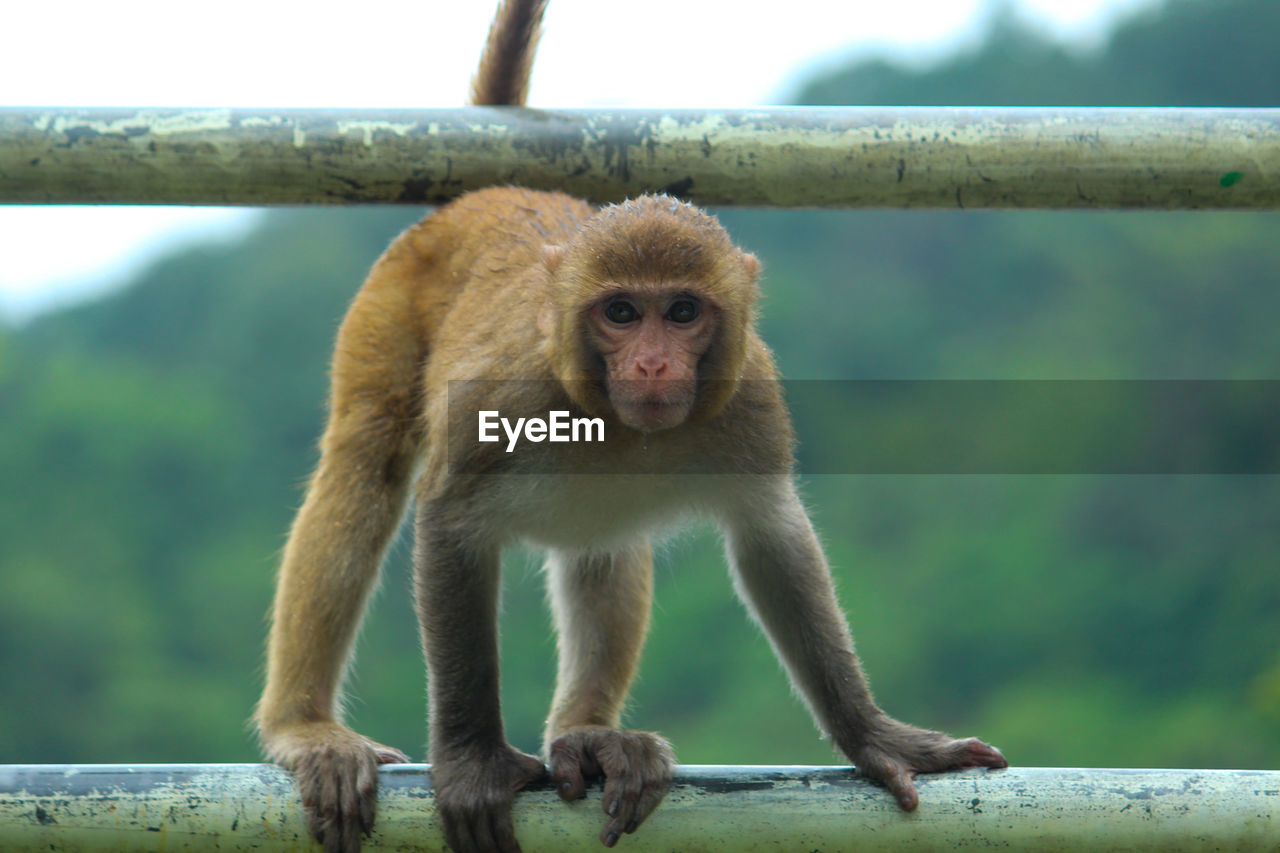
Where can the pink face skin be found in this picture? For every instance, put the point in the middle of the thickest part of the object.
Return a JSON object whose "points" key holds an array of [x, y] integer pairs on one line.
{"points": [[651, 344]]}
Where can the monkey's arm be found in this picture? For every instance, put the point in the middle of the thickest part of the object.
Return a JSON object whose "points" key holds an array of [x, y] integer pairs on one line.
{"points": [[330, 566], [475, 772], [354, 502], [780, 570], [601, 604]]}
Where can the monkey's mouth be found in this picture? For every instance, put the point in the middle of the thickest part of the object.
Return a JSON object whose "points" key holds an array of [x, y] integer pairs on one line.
{"points": [[652, 413]]}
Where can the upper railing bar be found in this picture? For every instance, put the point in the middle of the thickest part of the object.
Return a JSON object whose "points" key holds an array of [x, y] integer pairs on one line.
{"points": [[889, 157]]}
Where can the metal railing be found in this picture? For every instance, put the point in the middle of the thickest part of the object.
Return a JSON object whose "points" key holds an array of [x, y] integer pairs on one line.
{"points": [[931, 157], [740, 809], [923, 157]]}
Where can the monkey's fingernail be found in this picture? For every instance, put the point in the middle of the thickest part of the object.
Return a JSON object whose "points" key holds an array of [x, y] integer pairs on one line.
{"points": [[613, 808], [611, 840]]}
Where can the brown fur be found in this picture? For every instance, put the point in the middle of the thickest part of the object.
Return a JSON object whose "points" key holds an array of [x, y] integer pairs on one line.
{"points": [[512, 287]]}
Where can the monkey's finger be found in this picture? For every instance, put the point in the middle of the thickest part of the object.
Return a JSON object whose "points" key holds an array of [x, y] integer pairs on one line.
{"points": [[482, 834], [457, 834], [324, 793], [974, 753], [505, 834], [332, 836], [332, 841], [566, 770], [320, 826], [314, 825], [632, 804], [350, 834], [649, 799], [349, 793], [534, 771], [621, 797], [366, 796], [957, 754], [389, 755], [622, 821], [898, 780], [344, 823], [329, 807], [593, 751], [314, 820], [492, 831]]}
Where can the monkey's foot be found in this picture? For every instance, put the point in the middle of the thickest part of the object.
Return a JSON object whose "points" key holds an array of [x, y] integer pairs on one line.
{"points": [[474, 796], [337, 776], [896, 752], [637, 769]]}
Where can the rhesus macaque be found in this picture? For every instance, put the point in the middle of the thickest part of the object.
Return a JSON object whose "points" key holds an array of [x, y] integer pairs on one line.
{"points": [[639, 314]]}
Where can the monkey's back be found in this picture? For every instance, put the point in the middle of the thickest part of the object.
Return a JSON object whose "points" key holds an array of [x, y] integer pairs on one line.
{"points": [[461, 276], [494, 241]]}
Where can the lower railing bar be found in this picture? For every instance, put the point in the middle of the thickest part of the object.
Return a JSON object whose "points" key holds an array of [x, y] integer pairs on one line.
{"points": [[205, 807]]}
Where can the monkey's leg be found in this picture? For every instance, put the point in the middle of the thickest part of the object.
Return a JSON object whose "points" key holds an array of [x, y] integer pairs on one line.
{"points": [[601, 605], [475, 772], [782, 574]]}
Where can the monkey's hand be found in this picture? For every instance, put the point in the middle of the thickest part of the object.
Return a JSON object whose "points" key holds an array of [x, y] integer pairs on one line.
{"points": [[893, 753], [474, 797], [337, 776], [637, 769]]}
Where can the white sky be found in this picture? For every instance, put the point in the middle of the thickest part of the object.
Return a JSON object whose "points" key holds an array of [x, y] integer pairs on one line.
{"points": [[415, 53]]}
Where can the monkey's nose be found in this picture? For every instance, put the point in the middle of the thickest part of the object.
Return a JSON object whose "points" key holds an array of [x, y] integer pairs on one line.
{"points": [[655, 368]]}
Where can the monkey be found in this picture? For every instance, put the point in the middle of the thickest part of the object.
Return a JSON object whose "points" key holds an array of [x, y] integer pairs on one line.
{"points": [[641, 315]]}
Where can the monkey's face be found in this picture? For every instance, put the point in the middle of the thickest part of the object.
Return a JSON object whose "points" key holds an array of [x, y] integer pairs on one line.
{"points": [[651, 343]]}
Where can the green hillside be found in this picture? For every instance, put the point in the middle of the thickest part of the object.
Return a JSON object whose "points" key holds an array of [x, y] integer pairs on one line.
{"points": [[155, 442]]}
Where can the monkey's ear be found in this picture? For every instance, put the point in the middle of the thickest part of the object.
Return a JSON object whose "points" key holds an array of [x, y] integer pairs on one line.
{"points": [[750, 265], [552, 256]]}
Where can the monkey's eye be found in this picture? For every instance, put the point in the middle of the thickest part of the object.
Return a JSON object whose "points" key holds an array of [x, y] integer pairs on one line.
{"points": [[621, 312], [683, 311]]}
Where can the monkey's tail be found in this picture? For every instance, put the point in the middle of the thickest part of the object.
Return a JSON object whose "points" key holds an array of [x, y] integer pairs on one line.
{"points": [[503, 78]]}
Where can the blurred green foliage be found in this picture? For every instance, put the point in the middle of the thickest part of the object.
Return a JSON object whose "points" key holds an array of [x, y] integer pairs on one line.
{"points": [[155, 441]]}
